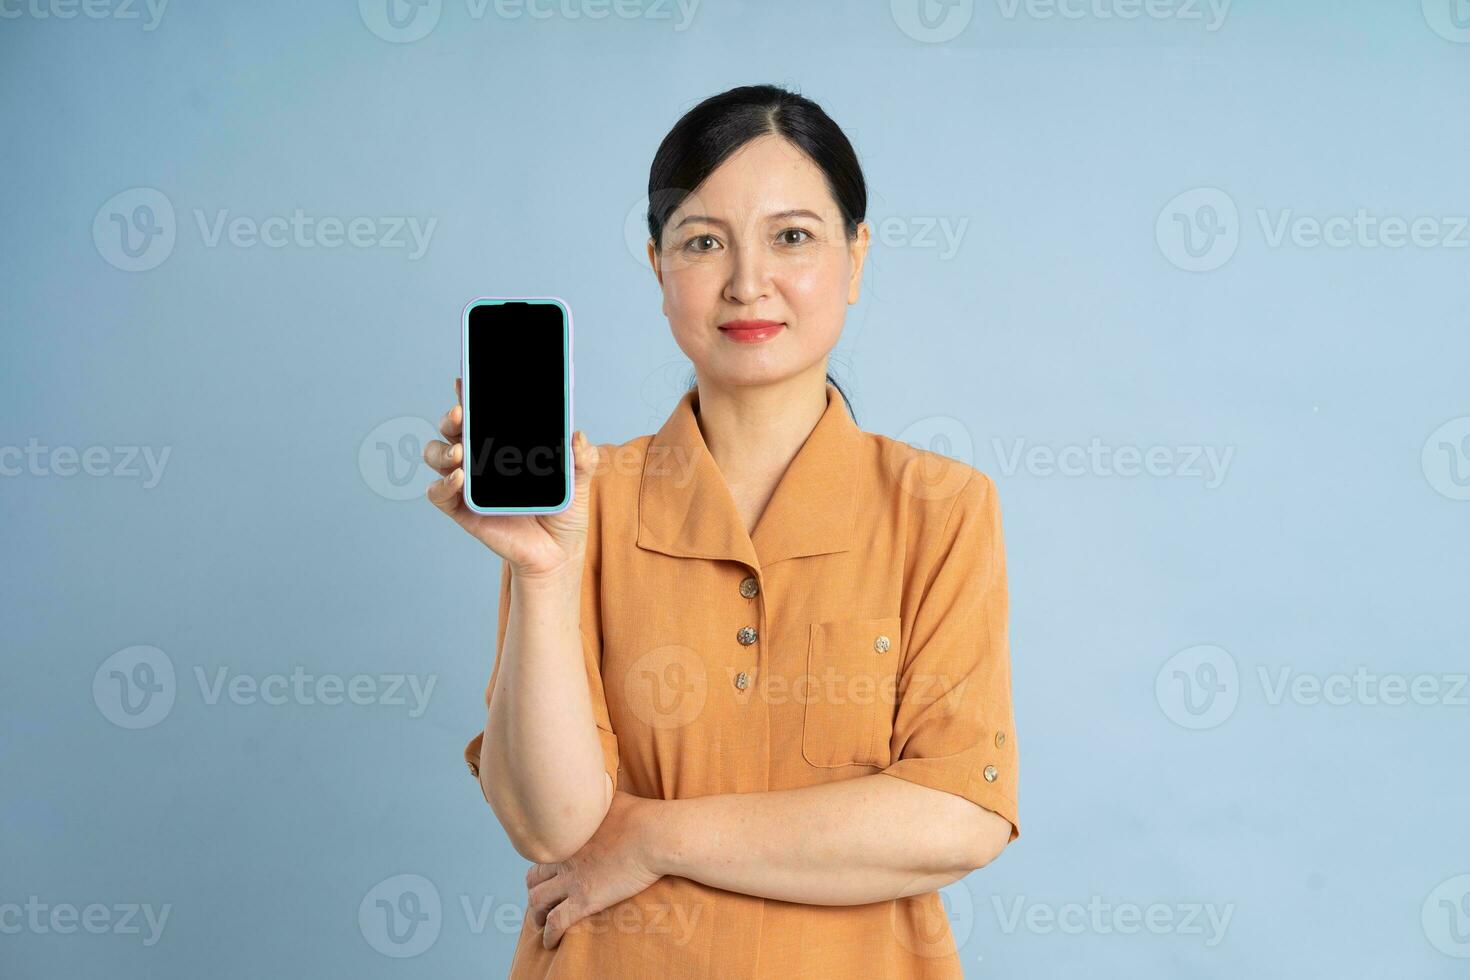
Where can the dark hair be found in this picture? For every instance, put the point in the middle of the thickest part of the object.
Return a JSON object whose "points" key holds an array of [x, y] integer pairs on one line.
{"points": [[706, 135]]}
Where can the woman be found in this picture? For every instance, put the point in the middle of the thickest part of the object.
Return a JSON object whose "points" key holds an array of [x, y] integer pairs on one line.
{"points": [[779, 639]]}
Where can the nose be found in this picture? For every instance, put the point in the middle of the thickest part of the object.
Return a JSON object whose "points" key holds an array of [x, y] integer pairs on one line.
{"points": [[749, 280]]}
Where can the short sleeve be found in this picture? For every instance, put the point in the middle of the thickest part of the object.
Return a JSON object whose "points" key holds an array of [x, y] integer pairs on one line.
{"points": [[592, 651], [954, 727]]}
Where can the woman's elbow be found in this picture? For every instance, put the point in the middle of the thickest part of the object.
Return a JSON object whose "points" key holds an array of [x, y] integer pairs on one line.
{"points": [[542, 853], [545, 841], [544, 848], [988, 837]]}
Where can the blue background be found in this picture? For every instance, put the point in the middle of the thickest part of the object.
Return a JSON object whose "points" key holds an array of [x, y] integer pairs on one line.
{"points": [[1330, 832]]}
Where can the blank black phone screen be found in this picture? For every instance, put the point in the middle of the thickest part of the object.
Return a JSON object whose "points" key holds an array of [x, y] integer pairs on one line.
{"points": [[517, 395]]}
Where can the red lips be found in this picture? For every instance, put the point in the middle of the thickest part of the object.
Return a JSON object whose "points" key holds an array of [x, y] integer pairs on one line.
{"points": [[751, 331]]}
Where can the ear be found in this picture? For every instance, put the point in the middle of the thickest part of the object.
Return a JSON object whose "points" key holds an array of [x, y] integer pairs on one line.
{"points": [[858, 250], [658, 273], [653, 262]]}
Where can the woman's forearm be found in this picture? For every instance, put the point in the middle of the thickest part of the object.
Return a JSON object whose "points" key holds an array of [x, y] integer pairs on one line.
{"points": [[541, 760], [848, 842]]}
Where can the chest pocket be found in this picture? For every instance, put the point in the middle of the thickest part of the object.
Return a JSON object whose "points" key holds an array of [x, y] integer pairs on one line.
{"points": [[852, 667]]}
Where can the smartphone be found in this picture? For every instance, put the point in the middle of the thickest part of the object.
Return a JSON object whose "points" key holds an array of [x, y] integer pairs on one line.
{"points": [[517, 380]]}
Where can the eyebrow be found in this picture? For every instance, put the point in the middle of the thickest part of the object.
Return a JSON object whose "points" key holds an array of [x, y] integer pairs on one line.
{"points": [[777, 216]]}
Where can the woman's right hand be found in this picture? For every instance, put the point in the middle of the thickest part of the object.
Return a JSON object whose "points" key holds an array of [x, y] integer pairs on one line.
{"points": [[535, 545]]}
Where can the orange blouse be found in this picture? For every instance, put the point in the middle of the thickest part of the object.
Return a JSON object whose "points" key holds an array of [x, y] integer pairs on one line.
{"points": [[861, 628]]}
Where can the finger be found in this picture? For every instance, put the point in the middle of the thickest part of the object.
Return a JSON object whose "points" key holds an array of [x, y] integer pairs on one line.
{"points": [[585, 459], [444, 492], [537, 873], [459, 390], [584, 454], [452, 424], [541, 899], [561, 918], [538, 903], [442, 456]]}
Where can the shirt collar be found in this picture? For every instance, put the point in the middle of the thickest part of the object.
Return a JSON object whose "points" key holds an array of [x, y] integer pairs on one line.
{"points": [[685, 507]]}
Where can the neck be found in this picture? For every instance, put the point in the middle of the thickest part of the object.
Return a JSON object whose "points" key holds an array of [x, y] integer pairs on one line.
{"points": [[754, 431]]}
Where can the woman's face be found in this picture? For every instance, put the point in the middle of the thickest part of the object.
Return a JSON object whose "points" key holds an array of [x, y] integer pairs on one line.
{"points": [[760, 239]]}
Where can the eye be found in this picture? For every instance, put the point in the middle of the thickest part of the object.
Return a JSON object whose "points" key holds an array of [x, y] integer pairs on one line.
{"points": [[785, 238], [691, 245]]}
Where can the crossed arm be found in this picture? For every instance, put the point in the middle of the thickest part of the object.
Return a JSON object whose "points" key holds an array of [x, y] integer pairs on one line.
{"points": [[859, 840]]}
